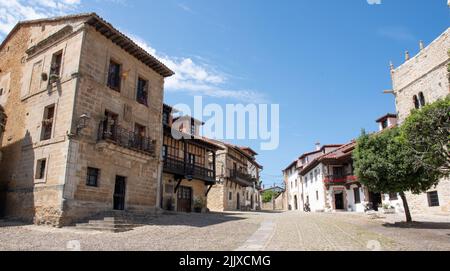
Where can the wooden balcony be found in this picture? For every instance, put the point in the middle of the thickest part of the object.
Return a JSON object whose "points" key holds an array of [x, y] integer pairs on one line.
{"points": [[241, 178], [127, 139], [188, 171], [333, 180]]}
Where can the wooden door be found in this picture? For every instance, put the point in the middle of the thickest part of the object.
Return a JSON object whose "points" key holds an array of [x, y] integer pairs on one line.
{"points": [[119, 193], [184, 202]]}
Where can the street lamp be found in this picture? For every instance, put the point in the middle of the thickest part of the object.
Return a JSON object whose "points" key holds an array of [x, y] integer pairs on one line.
{"points": [[83, 122]]}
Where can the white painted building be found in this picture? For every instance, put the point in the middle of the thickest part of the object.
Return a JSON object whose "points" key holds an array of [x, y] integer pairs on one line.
{"points": [[329, 184], [292, 186]]}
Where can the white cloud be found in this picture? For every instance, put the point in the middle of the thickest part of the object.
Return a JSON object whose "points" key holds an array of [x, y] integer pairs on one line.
{"points": [[17, 10], [191, 76], [374, 2], [199, 78]]}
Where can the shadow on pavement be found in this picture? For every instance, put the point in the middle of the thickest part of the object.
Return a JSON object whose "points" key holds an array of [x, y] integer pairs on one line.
{"points": [[194, 220], [419, 225]]}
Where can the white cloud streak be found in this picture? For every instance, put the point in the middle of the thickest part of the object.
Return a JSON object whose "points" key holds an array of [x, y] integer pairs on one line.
{"points": [[16, 10], [199, 78], [191, 76]]}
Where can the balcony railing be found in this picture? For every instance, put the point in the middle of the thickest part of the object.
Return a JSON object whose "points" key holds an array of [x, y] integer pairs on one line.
{"points": [[339, 179], [179, 166], [125, 138], [242, 178]]}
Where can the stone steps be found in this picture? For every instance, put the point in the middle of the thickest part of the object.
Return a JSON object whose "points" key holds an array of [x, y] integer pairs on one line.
{"points": [[116, 222]]}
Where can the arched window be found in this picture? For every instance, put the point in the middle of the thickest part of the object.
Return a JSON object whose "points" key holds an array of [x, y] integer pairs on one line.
{"points": [[416, 102], [421, 99]]}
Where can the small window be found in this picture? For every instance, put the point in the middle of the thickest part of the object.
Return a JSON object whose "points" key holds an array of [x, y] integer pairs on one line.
{"points": [[164, 151], [165, 118], [416, 102], [433, 199], [230, 196], [40, 169], [142, 91], [47, 122], [92, 176], [385, 124], [192, 128], [114, 78], [55, 68], [317, 195], [357, 195], [393, 196], [422, 102]]}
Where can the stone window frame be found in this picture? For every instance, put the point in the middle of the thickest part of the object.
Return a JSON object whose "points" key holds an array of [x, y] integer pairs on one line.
{"points": [[88, 175], [55, 113], [433, 202], [115, 60], [42, 180], [56, 53], [143, 78]]}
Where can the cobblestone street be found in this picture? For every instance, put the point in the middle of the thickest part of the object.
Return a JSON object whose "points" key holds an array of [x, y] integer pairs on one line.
{"points": [[241, 231]]}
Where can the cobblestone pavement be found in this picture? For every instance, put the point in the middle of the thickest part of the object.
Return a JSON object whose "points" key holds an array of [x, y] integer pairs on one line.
{"points": [[241, 231]]}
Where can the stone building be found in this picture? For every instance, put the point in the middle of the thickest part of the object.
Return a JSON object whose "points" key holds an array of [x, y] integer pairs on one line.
{"points": [[238, 180], [424, 79], [188, 164], [2, 125], [85, 108]]}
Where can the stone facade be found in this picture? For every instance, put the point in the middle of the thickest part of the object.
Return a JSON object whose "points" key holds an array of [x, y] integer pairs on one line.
{"points": [[425, 75], [238, 185], [55, 134]]}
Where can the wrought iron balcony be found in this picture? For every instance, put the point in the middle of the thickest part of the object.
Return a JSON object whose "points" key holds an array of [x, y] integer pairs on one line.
{"points": [[126, 139], [242, 178], [188, 171]]}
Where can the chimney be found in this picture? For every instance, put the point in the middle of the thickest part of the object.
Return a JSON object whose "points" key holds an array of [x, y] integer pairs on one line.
{"points": [[318, 146], [407, 57], [421, 45]]}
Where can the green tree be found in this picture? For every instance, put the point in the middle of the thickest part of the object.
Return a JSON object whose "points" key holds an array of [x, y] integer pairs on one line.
{"points": [[384, 163], [268, 195], [427, 132]]}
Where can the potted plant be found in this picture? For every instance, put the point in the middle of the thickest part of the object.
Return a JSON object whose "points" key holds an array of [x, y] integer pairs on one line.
{"points": [[199, 203], [388, 209]]}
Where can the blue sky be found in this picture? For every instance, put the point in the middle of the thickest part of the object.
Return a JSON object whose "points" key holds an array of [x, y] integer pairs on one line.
{"points": [[325, 62]]}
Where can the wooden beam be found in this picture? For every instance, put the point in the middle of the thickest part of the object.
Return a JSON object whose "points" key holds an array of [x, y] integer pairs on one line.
{"points": [[179, 180], [209, 189]]}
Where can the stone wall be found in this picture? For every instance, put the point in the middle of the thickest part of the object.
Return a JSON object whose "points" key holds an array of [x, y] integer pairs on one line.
{"points": [[426, 72], [419, 203], [217, 198], [93, 98], [27, 95], [170, 198]]}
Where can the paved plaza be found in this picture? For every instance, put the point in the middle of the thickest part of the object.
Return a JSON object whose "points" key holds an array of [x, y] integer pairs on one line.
{"points": [[244, 232]]}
